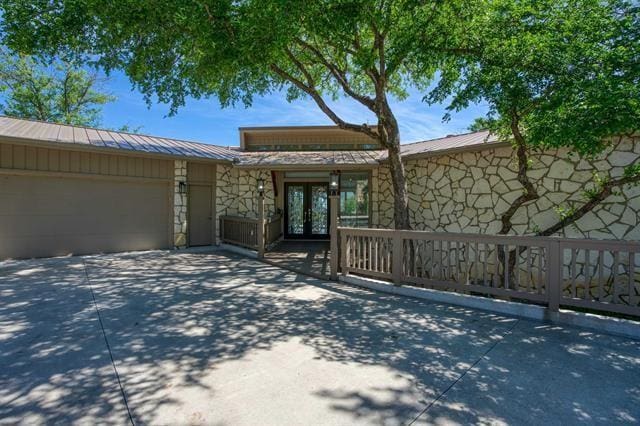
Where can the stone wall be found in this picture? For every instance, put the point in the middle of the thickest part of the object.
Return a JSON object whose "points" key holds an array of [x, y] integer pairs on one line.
{"points": [[226, 194], [248, 195], [179, 205], [467, 192]]}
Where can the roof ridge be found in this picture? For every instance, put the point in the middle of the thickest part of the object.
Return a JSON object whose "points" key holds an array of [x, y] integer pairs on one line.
{"points": [[445, 137], [112, 130]]}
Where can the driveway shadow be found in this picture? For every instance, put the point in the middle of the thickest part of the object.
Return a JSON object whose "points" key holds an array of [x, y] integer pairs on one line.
{"points": [[214, 338]]}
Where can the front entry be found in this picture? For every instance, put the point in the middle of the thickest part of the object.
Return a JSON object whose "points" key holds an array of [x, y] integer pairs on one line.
{"points": [[200, 225], [307, 210]]}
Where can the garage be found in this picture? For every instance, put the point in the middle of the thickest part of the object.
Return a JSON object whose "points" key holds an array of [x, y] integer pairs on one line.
{"points": [[56, 202], [50, 216]]}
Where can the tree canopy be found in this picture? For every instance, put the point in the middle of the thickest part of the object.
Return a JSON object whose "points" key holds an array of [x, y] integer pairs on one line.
{"points": [[566, 73], [59, 91]]}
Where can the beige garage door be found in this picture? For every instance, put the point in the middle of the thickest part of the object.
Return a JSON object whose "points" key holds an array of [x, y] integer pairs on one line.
{"points": [[52, 216]]}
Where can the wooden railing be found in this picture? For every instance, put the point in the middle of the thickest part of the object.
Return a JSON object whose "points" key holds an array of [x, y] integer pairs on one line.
{"points": [[241, 231], [272, 230], [589, 274]]}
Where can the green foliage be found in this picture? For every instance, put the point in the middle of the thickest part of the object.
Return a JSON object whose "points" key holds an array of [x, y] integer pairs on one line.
{"points": [[632, 171], [233, 50], [59, 92], [568, 72]]}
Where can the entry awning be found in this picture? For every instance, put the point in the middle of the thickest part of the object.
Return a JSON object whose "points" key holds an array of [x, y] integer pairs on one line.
{"points": [[318, 159]]}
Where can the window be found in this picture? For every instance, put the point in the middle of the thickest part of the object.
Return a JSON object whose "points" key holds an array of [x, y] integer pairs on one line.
{"points": [[354, 200]]}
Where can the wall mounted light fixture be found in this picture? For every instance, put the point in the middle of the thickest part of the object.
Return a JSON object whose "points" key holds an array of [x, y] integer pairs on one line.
{"points": [[334, 183], [260, 187]]}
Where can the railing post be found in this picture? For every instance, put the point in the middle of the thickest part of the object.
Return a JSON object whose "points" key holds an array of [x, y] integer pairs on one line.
{"points": [[396, 257], [260, 225], [333, 231], [555, 258]]}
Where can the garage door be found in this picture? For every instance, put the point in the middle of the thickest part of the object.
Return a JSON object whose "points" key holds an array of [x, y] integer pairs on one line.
{"points": [[53, 216]]}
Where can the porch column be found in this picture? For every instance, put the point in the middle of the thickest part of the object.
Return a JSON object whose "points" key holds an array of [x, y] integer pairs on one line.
{"points": [[180, 204], [260, 235], [333, 232]]}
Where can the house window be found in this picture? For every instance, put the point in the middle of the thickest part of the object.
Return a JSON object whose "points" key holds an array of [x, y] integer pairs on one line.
{"points": [[354, 200]]}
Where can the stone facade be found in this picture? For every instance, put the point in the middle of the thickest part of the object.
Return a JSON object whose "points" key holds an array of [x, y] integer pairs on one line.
{"points": [[179, 205], [248, 194], [468, 191]]}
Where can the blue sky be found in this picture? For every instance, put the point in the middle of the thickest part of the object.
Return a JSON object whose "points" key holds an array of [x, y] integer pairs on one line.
{"points": [[204, 121]]}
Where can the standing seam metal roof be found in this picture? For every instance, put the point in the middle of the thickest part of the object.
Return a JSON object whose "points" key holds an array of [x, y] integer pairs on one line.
{"points": [[84, 136]]}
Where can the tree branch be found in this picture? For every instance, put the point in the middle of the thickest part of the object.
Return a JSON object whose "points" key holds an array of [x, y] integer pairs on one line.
{"points": [[340, 76], [605, 191], [310, 90], [530, 192]]}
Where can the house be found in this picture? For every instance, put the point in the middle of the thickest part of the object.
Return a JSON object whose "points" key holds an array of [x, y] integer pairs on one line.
{"points": [[66, 189]]}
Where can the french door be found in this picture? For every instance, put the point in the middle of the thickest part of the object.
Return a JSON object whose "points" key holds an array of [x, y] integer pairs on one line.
{"points": [[307, 210]]}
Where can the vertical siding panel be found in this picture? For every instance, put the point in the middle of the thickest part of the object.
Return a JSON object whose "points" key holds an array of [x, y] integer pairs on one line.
{"points": [[6, 156], [131, 166], [31, 158], [54, 160], [122, 166], [139, 167], [18, 157], [155, 169], [64, 161], [104, 164], [43, 159], [147, 167], [74, 162], [95, 163], [85, 162], [113, 165]]}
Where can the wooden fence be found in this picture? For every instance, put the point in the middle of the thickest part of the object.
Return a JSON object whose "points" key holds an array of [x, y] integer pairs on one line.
{"points": [[243, 231], [590, 274]]}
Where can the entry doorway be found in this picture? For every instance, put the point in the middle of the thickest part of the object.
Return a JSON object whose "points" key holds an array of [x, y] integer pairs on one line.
{"points": [[306, 213], [200, 215]]}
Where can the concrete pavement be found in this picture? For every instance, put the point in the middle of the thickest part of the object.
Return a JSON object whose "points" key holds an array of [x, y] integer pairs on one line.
{"points": [[214, 338]]}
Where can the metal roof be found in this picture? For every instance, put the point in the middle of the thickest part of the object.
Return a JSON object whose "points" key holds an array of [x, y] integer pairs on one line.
{"points": [[448, 143], [30, 130], [88, 137]]}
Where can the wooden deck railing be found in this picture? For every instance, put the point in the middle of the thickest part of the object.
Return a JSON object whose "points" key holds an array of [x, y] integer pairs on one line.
{"points": [[590, 274], [241, 231], [272, 230]]}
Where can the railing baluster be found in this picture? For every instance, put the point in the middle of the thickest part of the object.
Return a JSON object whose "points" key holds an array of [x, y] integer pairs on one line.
{"points": [[587, 274], [615, 276], [496, 266], [506, 266], [632, 268], [485, 262], [574, 290], [541, 253], [529, 261], [600, 275], [516, 269]]}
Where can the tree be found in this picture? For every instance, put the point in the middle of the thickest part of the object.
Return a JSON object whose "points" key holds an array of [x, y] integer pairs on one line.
{"points": [[59, 92], [555, 74], [233, 50]]}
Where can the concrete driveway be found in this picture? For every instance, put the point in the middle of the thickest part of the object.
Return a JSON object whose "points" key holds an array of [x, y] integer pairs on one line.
{"points": [[213, 338]]}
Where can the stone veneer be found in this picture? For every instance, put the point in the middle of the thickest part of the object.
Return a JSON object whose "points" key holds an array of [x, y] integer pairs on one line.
{"points": [[468, 191], [179, 205], [236, 193]]}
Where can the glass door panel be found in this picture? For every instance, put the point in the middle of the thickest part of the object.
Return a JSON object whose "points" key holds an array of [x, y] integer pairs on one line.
{"points": [[319, 209], [295, 209]]}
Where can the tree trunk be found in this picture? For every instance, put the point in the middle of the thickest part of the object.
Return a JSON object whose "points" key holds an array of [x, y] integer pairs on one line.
{"points": [[400, 192], [389, 135]]}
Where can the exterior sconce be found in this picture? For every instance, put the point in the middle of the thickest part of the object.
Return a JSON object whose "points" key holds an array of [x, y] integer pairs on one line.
{"points": [[182, 187], [334, 183], [260, 187]]}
